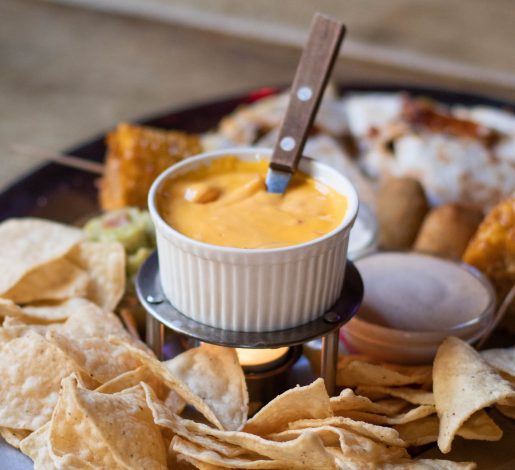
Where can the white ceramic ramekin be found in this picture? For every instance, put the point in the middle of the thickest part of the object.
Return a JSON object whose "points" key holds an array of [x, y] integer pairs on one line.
{"points": [[253, 289]]}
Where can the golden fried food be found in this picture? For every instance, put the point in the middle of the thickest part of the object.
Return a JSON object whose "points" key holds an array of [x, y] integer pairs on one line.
{"points": [[136, 155], [447, 230], [401, 208], [492, 250]]}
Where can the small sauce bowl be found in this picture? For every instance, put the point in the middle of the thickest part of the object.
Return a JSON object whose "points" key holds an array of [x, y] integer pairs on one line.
{"points": [[412, 302], [253, 290]]}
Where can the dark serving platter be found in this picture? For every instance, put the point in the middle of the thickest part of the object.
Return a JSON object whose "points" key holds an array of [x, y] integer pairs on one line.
{"points": [[67, 195]]}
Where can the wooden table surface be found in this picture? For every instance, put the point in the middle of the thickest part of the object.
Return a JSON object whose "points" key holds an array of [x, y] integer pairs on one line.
{"points": [[68, 73]]}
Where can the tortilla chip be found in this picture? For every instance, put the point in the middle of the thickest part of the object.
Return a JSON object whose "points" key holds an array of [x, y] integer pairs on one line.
{"points": [[105, 264], [311, 401], [9, 308], [414, 396], [15, 321], [211, 443], [184, 462], [423, 431], [406, 417], [31, 369], [86, 319], [8, 333], [196, 453], [353, 372], [463, 384], [26, 244], [35, 446], [377, 433], [307, 446], [347, 400], [508, 411], [214, 373], [306, 451], [502, 360], [14, 436], [98, 357], [57, 280], [429, 464], [131, 379], [143, 374], [354, 447], [108, 431], [48, 312], [160, 370]]}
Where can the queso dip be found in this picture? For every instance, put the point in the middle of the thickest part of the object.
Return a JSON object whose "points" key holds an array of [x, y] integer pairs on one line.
{"points": [[226, 203]]}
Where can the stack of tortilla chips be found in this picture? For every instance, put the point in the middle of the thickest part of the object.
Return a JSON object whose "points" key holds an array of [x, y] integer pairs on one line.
{"points": [[78, 392]]}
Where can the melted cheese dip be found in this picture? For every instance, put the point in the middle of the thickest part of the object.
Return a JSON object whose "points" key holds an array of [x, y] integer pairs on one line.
{"points": [[226, 203]]}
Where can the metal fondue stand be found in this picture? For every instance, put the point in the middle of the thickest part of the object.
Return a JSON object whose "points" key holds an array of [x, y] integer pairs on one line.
{"points": [[161, 313]]}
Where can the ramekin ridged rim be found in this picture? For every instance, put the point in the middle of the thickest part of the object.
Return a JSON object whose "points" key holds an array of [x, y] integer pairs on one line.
{"points": [[349, 192]]}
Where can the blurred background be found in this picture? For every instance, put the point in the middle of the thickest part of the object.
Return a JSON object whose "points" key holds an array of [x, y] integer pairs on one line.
{"points": [[70, 69]]}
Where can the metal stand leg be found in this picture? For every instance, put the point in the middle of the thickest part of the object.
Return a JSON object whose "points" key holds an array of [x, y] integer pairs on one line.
{"points": [[329, 359], [154, 336]]}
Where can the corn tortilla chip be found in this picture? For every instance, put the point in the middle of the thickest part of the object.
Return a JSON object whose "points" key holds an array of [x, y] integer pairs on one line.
{"points": [[106, 430], [463, 383], [193, 452], [353, 372], [143, 374], [308, 445], [429, 464], [9, 308], [42, 313], [57, 280], [185, 462], [502, 360], [98, 357], [8, 333], [305, 452], [508, 411], [160, 370], [220, 447], [105, 264], [214, 373], [291, 406], [48, 312], [35, 446], [411, 415], [377, 433], [26, 244], [86, 319], [423, 431], [14, 436], [347, 400], [353, 446], [31, 369], [414, 396]]}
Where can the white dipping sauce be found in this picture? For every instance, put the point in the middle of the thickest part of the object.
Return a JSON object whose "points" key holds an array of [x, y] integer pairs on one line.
{"points": [[417, 292]]}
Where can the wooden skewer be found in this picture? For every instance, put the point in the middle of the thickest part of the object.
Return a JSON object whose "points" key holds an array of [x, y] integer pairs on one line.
{"points": [[66, 160]]}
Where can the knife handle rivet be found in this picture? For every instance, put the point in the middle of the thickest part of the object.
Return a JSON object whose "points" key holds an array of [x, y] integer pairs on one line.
{"points": [[304, 93], [287, 143]]}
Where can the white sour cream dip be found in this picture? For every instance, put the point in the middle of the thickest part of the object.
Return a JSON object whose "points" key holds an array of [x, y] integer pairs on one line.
{"points": [[417, 292]]}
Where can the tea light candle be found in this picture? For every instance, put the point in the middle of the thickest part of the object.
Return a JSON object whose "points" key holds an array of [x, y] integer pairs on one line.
{"points": [[260, 358]]}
